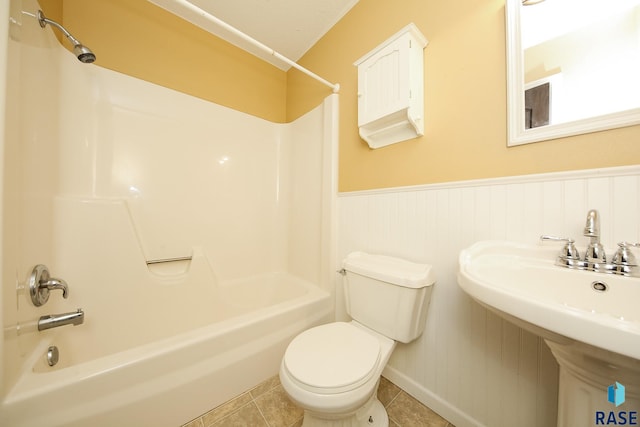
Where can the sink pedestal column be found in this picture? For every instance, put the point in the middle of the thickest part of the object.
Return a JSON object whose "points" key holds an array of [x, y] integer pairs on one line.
{"points": [[586, 373]]}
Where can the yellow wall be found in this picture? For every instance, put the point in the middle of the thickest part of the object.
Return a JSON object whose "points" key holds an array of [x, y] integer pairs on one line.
{"points": [[465, 100], [465, 93], [137, 38]]}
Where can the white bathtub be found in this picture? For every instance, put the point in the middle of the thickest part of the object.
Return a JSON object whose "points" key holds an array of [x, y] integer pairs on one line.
{"points": [[173, 378]]}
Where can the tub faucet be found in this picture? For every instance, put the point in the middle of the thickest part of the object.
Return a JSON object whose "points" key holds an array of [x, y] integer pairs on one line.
{"points": [[41, 283], [55, 320], [595, 251]]}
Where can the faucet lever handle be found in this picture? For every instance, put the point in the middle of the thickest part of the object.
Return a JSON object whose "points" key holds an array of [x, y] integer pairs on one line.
{"points": [[53, 284], [569, 250], [624, 256], [40, 284]]}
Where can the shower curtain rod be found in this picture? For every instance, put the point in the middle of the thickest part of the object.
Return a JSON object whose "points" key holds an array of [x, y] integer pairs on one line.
{"points": [[188, 5]]}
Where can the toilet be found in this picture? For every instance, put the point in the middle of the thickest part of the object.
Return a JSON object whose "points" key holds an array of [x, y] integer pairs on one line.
{"points": [[332, 371]]}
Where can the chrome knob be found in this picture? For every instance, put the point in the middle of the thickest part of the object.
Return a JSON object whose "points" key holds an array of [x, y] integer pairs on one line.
{"points": [[623, 255], [41, 283]]}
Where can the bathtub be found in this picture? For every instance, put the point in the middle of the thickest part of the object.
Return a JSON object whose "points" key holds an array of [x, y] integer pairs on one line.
{"points": [[170, 378]]}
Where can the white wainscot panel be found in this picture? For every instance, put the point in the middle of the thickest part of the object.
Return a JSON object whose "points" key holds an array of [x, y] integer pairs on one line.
{"points": [[471, 366]]}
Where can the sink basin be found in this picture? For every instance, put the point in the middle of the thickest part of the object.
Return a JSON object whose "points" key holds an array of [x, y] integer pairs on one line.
{"points": [[522, 283], [589, 320]]}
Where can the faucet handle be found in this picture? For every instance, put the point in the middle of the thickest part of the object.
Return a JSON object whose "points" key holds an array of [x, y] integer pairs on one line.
{"points": [[623, 255], [569, 250], [52, 284], [40, 284]]}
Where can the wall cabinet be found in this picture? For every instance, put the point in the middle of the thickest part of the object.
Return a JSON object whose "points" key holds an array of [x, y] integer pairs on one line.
{"points": [[391, 89]]}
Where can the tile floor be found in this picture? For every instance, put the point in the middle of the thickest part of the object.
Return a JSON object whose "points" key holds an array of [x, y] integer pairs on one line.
{"points": [[267, 405]]}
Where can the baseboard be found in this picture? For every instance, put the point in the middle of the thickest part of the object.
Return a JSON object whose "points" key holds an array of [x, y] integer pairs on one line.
{"points": [[436, 403]]}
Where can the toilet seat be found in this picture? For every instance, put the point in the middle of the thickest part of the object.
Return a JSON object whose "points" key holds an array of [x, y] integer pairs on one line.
{"points": [[332, 358]]}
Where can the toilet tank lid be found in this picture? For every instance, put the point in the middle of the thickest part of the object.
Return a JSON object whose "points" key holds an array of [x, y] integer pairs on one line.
{"points": [[389, 269]]}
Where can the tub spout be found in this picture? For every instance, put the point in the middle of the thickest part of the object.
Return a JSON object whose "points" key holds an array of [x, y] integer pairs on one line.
{"points": [[54, 320]]}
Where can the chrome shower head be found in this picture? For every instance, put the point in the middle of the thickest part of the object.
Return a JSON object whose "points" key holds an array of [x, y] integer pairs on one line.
{"points": [[83, 53]]}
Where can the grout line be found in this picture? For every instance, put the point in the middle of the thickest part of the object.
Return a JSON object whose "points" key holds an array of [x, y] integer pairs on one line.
{"points": [[394, 399], [201, 424], [265, 392], [261, 414], [238, 409], [294, 423], [253, 399]]}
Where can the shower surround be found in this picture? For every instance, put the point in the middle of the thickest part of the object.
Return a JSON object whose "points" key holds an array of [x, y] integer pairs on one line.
{"points": [[197, 240]]}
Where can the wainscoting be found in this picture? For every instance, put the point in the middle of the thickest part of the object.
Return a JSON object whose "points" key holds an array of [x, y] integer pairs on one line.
{"points": [[470, 366]]}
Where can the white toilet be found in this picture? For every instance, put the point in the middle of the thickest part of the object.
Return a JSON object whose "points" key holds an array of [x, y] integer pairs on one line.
{"points": [[332, 371]]}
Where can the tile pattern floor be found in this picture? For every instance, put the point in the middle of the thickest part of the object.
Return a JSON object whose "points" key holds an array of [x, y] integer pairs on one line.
{"points": [[267, 405]]}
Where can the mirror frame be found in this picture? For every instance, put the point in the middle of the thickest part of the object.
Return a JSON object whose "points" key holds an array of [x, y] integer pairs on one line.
{"points": [[516, 133]]}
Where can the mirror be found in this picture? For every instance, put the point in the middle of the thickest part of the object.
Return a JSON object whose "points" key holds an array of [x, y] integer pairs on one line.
{"points": [[573, 67]]}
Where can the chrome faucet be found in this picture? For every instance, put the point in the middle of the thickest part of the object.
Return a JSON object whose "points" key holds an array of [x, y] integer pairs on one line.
{"points": [[623, 261], [595, 251], [41, 283], [55, 320]]}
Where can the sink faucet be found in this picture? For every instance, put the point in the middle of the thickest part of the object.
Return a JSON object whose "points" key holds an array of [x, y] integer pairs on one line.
{"points": [[55, 320], [622, 263], [595, 251]]}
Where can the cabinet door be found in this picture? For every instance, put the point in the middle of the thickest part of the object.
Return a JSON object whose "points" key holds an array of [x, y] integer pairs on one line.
{"points": [[383, 82]]}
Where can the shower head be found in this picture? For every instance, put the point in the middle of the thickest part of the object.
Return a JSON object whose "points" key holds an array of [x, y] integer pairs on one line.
{"points": [[83, 53]]}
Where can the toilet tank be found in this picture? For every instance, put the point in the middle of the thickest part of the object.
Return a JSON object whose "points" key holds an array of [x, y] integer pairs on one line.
{"points": [[386, 294]]}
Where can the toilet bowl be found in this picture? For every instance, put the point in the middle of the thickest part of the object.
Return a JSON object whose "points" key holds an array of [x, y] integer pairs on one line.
{"points": [[332, 371]]}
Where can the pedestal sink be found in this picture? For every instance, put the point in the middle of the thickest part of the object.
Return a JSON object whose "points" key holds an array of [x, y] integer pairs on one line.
{"points": [[591, 322]]}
